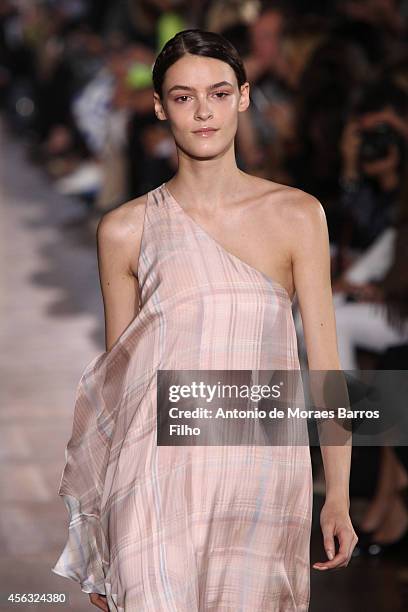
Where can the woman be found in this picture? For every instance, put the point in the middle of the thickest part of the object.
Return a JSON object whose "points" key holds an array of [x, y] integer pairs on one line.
{"points": [[181, 528], [371, 296], [373, 150]]}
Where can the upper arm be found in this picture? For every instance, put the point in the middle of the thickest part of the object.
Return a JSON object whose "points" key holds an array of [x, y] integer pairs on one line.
{"points": [[118, 244], [312, 278]]}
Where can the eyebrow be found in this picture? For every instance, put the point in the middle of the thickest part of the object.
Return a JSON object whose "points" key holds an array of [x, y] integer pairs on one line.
{"points": [[185, 88]]}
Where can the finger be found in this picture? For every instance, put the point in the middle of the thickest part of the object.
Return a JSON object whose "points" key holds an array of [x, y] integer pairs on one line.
{"points": [[353, 544], [328, 540], [342, 558], [350, 549], [345, 537]]}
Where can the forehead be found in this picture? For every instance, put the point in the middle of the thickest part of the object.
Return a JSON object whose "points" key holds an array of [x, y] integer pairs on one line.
{"points": [[198, 72]]}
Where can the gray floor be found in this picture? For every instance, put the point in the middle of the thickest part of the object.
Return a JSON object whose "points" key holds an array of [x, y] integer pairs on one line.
{"points": [[51, 327]]}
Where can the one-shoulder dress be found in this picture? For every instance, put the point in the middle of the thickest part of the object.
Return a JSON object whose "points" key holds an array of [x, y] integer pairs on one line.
{"points": [[186, 528]]}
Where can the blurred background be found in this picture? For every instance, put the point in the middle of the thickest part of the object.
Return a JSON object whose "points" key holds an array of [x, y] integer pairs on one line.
{"points": [[328, 114]]}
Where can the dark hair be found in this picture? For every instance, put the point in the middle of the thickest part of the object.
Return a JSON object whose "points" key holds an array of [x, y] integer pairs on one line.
{"points": [[196, 42]]}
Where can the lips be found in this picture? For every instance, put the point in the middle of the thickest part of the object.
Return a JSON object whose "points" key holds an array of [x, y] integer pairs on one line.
{"points": [[205, 130]]}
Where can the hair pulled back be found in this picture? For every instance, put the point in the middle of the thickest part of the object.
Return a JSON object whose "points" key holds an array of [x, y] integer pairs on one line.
{"points": [[196, 42]]}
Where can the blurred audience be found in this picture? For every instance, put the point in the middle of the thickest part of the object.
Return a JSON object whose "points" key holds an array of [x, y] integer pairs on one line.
{"points": [[371, 296], [383, 528]]}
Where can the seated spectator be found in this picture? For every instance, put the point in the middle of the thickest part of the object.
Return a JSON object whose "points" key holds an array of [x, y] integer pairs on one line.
{"points": [[373, 148], [372, 295]]}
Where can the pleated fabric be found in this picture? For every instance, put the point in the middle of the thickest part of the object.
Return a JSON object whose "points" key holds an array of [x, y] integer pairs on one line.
{"points": [[186, 528]]}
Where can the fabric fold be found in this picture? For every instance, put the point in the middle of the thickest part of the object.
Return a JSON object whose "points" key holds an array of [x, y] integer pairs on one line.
{"points": [[82, 557]]}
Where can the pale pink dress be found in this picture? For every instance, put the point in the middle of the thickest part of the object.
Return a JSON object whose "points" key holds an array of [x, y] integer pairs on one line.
{"points": [[186, 529]]}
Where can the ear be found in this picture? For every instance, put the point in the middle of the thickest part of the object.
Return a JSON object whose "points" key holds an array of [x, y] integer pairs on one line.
{"points": [[244, 97], [158, 107]]}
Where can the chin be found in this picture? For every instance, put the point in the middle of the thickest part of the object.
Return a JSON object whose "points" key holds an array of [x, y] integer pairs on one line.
{"points": [[205, 149]]}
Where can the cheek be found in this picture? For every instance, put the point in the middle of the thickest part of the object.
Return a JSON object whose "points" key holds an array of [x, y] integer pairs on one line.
{"points": [[227, 109], [180, 118]]}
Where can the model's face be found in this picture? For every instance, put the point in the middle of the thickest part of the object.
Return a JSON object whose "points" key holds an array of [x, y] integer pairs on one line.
{"points": [[202, 92]]}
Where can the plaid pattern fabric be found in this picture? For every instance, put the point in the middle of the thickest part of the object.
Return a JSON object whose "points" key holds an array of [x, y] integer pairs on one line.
{"points": [[186, 528]]}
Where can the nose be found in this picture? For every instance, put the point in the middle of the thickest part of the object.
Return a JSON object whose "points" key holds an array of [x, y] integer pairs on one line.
{"points": [[203, 111]]}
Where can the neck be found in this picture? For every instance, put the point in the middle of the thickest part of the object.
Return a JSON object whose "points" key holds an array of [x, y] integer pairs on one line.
{"points": [[205, 182]]}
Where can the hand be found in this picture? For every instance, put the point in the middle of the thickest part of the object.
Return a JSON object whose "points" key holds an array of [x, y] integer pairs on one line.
{"points": [[99, 601], [384, 167], [389, 116], [335, 521]]}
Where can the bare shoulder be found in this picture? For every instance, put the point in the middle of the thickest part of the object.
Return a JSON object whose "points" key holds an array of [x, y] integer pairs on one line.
{"points": [[293, 209], [125, 222], [294, 220], [293, 204], [119, 236]]}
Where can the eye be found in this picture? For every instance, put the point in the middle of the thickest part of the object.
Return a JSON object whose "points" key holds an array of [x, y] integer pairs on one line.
{"points": [[219, 94]]}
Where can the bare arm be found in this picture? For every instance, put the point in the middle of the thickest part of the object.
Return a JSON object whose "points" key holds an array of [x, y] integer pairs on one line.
{"points": [[311, 275], [119, 235], [311, 271]]}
